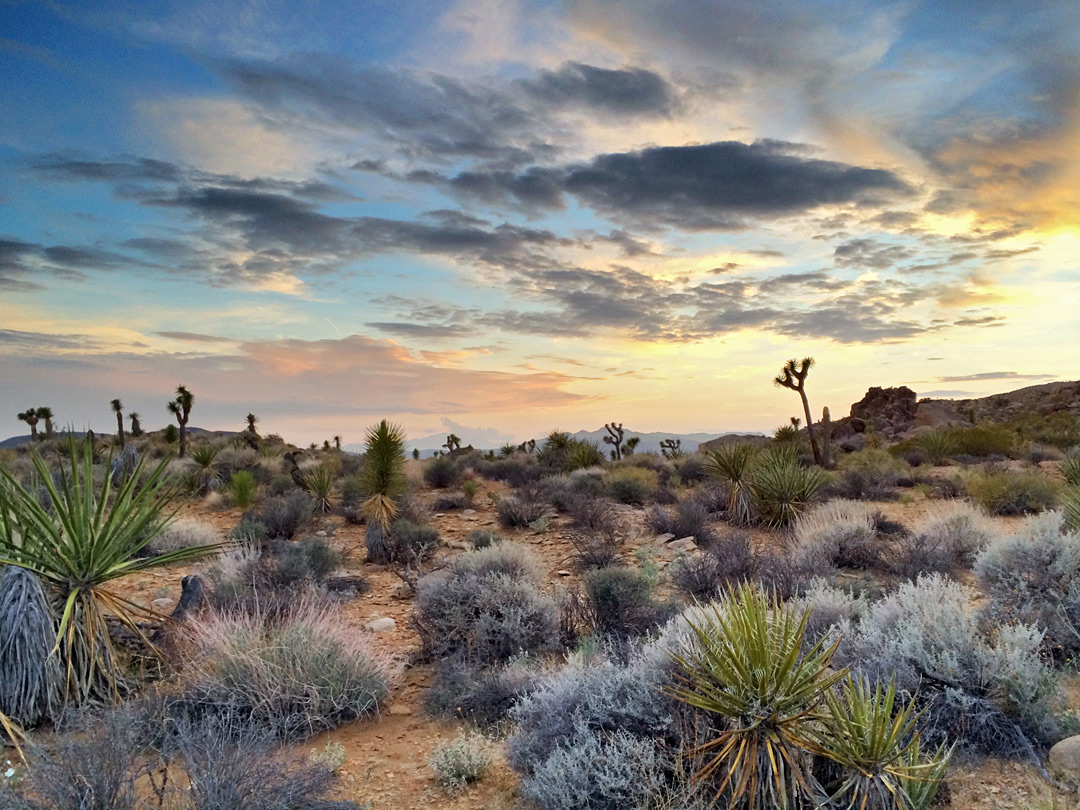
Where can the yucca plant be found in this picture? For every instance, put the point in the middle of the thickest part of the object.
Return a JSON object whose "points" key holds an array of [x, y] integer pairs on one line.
{"points": [[1070, 467], [733, 464], [243, 488], [782, 488], [1070, 505], [320, 483], [581, 455], [746, 664], [384, 479], [206, 477], [938, 446], [84, 540], [876, 744]]}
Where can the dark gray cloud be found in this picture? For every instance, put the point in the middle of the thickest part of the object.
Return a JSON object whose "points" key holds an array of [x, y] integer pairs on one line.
{"points": [[12, 340], [709, 187], [25, 265], [627, 91], [871, 254]]}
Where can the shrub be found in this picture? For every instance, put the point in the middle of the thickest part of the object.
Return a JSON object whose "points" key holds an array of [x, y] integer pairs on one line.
{"points": [[517, 471], [480, 694], [689, 518], [1012, 492], [482, 538], [582, 455], [782, 489], [937, 445], [441, 472], [487, 608], [185, 533], [631, 485], [837, 534], [524, 507], [621, 601], [294, 675], [409, 542], [283, 516], [282, 484], [452, 501], [597, 549], [928, 637], [734, 464], [985, 439], [746, 666], [594, 514], [461, 762], [1033, 577], [728, 560], [243, 488], [31, 680], [320, 483], [692, 469], [948, 537], [1070, 507]]}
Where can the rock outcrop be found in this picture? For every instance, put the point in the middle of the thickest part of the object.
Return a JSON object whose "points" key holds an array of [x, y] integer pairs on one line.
{"points": [[888, 411]]}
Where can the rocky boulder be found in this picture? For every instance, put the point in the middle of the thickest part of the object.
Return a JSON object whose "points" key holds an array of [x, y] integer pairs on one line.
{"points": [[938, 414], [1065, 759], [888, 410]]}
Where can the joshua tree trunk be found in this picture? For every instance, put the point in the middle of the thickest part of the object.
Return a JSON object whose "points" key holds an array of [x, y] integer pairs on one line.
{"points": [[183, 438], [810, 428], [120, 428]]}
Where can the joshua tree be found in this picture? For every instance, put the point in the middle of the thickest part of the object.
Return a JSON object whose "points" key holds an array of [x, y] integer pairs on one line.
{"points": [[631, 445], [251, 420], [337, 443], [416, 453], [508, 450], [136, 428], [118, 409], [181, 409], [615, 438], [46, 413], [671, 448], [826, 440], [793, 376], [452, 443], [384, 478], [528, 447], [31, 418]]}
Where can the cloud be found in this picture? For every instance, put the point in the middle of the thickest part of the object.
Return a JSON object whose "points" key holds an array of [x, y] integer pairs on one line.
{"points": [[708, 187], [194, 337], [632, 91], [996, 375]]}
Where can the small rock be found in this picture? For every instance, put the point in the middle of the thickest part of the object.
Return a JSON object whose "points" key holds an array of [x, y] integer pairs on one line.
{"points": [[1065, 758], [402, 591], [162, 604], [321, 533], [686, 544], [380, 625], [397, 710], [563, 572], [468, 511], [661, 539]]}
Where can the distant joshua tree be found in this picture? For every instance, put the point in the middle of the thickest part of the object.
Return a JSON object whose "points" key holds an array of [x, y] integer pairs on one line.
{"points": [[631, 445], [508, 450], [337, 443], [452, 443], [326, 444], [251, 420], [181, 409], [136, 428], [31, 418], [671, 448], [118, 409], [46, 413], [793, 376], [615, 438]]}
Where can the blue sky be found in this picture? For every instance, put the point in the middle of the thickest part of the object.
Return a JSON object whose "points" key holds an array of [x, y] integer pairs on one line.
{"points": [[510, 217]]}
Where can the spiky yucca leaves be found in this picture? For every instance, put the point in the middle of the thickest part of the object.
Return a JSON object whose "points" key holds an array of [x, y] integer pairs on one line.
{"points": [[85, 539], [243, 488], [937, 444], [384, 478], [876, 743], [320, 483], [745, 663], [783, 488], [1070, 505], [1070, 467], [205, 478], [733, 464], [30, 676], [581, 455]]}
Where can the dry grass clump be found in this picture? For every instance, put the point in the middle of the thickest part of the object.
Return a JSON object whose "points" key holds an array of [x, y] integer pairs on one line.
{"points": [[185, 533], [295, 674], [837, 534]]}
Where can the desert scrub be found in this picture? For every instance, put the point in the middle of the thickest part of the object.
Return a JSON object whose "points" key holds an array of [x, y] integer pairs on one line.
{"points": [[1011, 492], [480, 694], [520, 510], [621, 602], [837, 534], [727, 560], [294, 675], [408, 542], [441, 472], [631, 485], [486, 608], [1033, 577], [185, 533], [282, 516], [783, 489], [947, 538], [461, 762], [243, 488], [688, 518]]}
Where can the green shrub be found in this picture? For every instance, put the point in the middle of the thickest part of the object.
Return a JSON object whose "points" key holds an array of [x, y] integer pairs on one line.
{"points": [[1011, 492], [243, 488], [1070, 467], [937, 444], [621, 601], [283, 516], [985, 439], [631, 485], [782, 489], [410, 542], [734, 464], [461, 762], [441, 472], [320, 483], [522, 509], [582, 455], [482, 538]]}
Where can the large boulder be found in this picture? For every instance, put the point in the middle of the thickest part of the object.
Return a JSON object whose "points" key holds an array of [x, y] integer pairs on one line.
{"points": [[889, 410], [1065, 759], [932, 414]]}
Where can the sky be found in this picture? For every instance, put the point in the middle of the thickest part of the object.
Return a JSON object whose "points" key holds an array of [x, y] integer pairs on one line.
{"points": [[502, 218]]}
